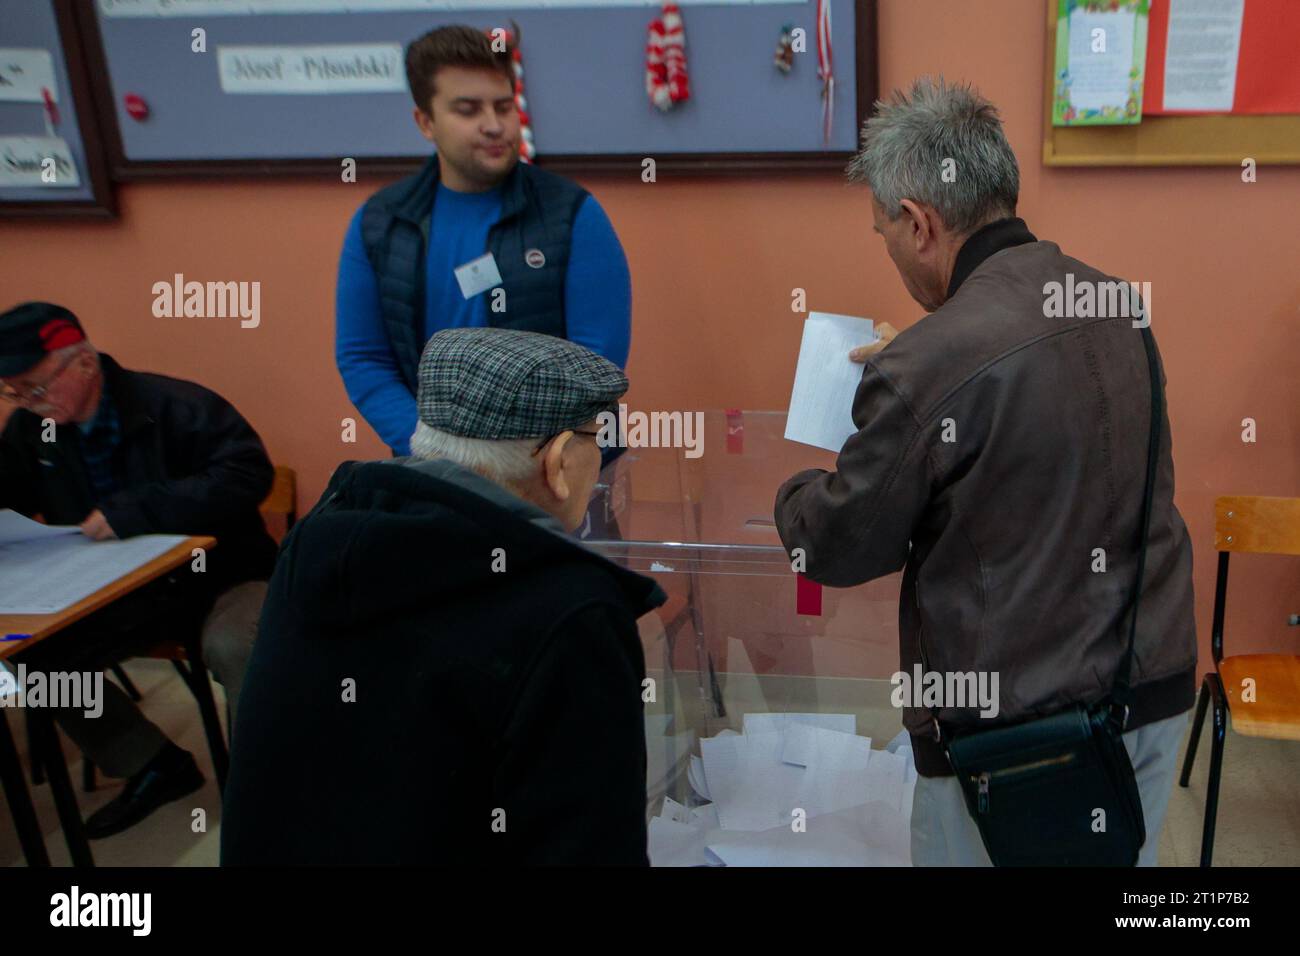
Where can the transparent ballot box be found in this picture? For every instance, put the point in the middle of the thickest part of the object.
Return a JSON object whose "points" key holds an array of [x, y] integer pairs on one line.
{"points": [[768, 712]]}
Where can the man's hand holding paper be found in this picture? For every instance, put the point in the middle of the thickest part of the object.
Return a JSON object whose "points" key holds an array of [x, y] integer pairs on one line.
{"points": [[885, 333]]}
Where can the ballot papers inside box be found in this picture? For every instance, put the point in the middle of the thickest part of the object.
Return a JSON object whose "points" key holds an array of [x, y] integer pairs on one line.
{"points": [[733, 653], [790, 790]]}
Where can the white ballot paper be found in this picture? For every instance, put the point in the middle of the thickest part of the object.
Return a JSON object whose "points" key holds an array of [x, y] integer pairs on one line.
{"points": [[45, 569], [802, 794], [871, 834], [16, 527], [825, 380]]}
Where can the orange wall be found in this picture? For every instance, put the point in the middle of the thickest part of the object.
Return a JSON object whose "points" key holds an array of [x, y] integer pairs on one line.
{"points": [[713, 264]]}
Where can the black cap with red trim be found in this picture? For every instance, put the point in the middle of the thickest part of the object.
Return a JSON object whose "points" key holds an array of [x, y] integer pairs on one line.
{"points": [[33, 330]]}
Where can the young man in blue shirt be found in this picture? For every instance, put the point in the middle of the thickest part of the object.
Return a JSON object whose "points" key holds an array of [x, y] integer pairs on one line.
{"points": [[476, 238]]}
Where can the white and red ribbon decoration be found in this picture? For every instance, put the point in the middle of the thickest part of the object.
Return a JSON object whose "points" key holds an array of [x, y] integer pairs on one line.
{"points": [[679, 86], [667, 82], [526, 148], [825, 67], [656, 72]]}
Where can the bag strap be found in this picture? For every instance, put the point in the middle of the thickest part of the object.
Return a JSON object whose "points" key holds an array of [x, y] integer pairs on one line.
{"points": [[1122, 692]]}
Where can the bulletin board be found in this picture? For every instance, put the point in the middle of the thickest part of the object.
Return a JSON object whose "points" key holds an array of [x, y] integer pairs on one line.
{"points": [[1178, 139], [584, 79], [52, 161]]}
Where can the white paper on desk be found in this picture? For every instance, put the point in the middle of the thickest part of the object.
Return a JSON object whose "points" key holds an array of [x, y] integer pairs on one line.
{"points": [[48, 574], [8, 683], [16, 527], [1204, 43], [825, 380]]}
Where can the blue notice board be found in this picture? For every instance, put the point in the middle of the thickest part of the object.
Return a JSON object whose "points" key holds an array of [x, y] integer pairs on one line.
{"points": [[52, 161], [169, 109]]}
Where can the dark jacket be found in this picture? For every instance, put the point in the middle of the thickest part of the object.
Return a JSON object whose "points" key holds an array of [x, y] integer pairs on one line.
{"points": [[481, 696], [1047, 422], [537, 213], [188, 463]]}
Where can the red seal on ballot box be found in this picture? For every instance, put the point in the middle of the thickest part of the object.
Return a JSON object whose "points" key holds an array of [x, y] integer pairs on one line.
{"points": [[807, 596], [136, 107], [735, 431]]}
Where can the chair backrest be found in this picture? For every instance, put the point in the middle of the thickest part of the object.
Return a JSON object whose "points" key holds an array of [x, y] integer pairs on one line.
{"points": [[283, 499], [1256, 524]]}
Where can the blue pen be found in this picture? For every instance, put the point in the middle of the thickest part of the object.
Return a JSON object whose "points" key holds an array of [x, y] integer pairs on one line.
{"points": [[16, 637]]}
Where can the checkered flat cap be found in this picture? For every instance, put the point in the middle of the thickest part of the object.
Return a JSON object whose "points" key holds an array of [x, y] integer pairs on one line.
{"points": [[499, 384]]}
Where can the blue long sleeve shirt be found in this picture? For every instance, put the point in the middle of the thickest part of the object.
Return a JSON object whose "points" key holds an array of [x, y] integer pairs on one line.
{"points": [[597, 301]]}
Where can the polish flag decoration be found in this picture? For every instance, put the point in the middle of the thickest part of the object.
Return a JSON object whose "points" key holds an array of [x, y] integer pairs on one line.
{"points": [[526, 148], [679, 86], [656, 72], [666, 80], [825, 67]]}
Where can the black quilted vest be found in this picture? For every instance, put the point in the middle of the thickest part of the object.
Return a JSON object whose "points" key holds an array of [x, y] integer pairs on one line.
{"points": [[537, 213]]}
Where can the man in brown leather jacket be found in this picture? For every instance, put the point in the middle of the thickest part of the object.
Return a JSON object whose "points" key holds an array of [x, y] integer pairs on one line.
{"points": [[1000, 461]]}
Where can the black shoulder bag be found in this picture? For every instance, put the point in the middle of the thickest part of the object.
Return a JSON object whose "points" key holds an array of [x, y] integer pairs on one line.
{"points": [[1060, 790]]}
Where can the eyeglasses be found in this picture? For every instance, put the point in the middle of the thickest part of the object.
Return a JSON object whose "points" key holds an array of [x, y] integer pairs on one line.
{"points": [[35, 393], [548, 440]]}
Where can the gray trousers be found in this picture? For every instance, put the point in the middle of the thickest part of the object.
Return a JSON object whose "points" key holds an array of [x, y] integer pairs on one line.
{"points": [[944, 834], [122, 740]]}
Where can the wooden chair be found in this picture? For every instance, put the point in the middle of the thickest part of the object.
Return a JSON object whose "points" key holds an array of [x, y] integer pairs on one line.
{"points": [[1261, 691], [283, 499], [187, 655]]}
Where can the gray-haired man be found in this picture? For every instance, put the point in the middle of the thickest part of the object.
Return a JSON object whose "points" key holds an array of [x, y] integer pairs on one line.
{"points": [[442, 674], [1000, 461]]}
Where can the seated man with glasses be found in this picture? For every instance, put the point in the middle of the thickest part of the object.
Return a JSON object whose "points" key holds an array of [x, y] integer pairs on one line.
{"points": [[124, 453], [444, 675]]}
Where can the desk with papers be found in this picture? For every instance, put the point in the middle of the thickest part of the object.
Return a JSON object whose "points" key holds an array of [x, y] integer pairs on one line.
{"points": [[51, 578]]}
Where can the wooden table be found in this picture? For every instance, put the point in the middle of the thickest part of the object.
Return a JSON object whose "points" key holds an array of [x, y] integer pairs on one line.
{"points": [[40, 627]]}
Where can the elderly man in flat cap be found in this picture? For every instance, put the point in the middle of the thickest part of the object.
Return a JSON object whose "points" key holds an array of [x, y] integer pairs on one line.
{"points": [[443, 674], [124, 453]]}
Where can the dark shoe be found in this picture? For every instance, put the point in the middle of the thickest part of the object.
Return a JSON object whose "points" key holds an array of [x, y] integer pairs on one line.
{"points": [[169, 776]]}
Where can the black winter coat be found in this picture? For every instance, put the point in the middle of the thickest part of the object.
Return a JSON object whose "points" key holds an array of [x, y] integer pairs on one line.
{"points": [[440, 677]]}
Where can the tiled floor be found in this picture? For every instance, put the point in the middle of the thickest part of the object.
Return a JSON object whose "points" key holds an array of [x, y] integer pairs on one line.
{"points": [[1259, 806]]}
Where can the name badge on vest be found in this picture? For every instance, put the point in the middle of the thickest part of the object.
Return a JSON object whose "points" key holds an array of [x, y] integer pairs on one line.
{"points": [[478, 275]]}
